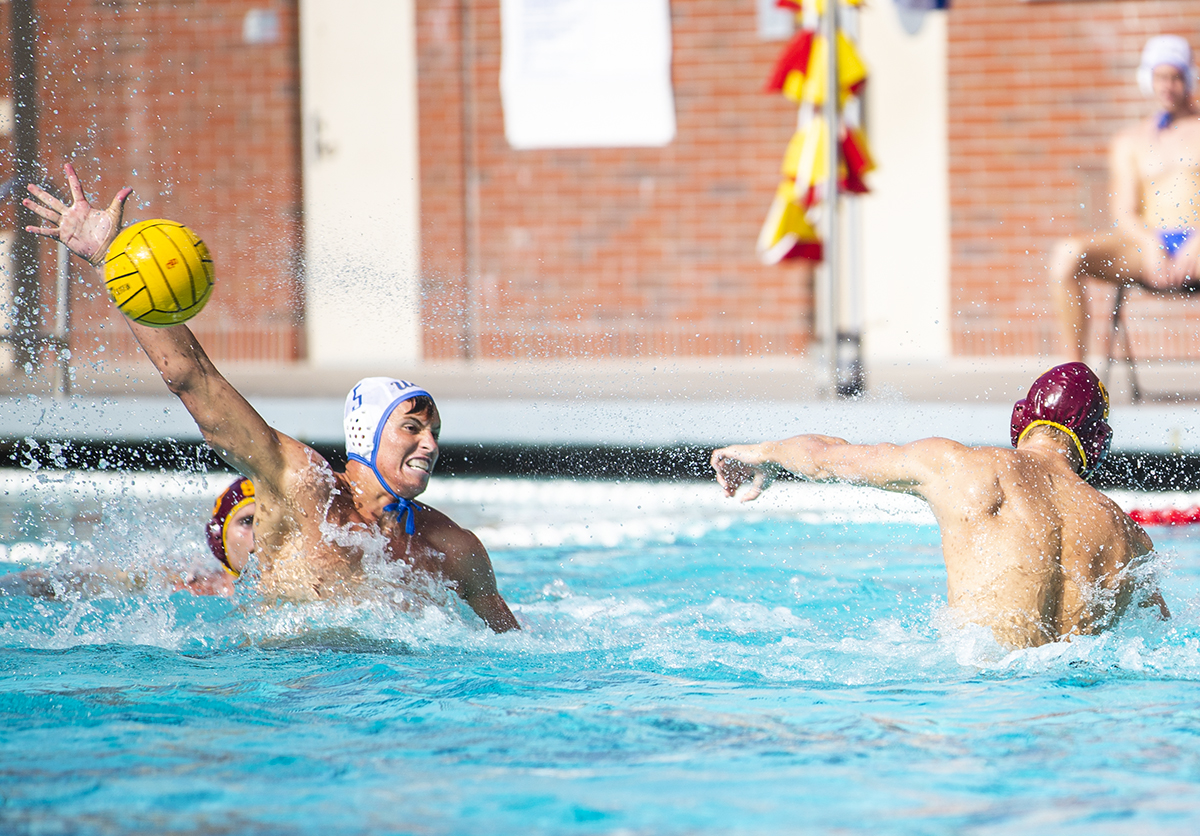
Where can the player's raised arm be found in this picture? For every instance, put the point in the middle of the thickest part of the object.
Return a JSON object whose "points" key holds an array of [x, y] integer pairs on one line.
{"points": [[229, 423], [903, 468]]}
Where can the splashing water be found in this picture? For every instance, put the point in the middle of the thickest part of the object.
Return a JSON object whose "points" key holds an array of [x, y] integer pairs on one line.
{"points": [[688, 664]]}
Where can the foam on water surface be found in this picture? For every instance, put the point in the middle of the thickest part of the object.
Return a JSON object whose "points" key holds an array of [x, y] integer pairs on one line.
{"points": [[688, 664]]}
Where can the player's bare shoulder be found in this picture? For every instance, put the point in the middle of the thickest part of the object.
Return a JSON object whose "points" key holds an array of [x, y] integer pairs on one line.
{"points": [[444, 534], [1188, 126], [955, 477], [1139, 541], [1141, 132], [1136, 137], [305, 487], [463, 559], [306, 469], [945, 457]]}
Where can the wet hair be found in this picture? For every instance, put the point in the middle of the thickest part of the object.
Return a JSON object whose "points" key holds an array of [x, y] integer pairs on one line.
{"points": [[421, 405]]}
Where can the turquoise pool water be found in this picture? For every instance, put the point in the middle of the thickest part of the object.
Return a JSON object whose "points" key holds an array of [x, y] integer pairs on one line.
{"points": [[688, 665]]}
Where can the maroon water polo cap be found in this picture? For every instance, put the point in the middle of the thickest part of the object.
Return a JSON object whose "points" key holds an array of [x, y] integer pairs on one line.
{"points": [[1071, 398], [234, 498]]}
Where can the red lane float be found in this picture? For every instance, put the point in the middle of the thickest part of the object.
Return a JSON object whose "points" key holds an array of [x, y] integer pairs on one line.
{"points": [[1166, 516]]}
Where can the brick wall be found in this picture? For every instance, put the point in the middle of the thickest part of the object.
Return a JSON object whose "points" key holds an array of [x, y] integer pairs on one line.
{"points": [[1036, 91], [165, 96], [605, 252], [615, 252]]}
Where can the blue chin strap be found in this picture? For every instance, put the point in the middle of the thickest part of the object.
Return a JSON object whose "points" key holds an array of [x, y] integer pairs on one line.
{"points": [[410, 513], [401, 506]]}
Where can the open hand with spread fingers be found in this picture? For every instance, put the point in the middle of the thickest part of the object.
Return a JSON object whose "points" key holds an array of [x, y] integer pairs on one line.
{"points": [[85, 230]]}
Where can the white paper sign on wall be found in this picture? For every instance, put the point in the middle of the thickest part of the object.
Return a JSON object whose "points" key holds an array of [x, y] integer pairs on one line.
{"points": [[587, 73]]}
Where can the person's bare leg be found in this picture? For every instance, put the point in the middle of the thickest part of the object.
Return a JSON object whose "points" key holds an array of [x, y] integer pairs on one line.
{"points": [[1105, 259], [1066, 283]]}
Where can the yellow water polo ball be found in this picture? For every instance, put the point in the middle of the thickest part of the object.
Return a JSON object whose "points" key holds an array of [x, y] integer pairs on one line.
{"points": [[158, 273]]}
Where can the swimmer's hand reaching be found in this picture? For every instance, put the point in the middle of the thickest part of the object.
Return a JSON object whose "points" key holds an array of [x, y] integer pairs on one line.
{"points": [[85, 230], [743, 464]]}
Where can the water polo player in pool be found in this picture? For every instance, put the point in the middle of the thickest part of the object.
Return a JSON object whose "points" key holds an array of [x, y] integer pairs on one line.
{"points": [[230, 535], [313, 527], [1031, 550]]}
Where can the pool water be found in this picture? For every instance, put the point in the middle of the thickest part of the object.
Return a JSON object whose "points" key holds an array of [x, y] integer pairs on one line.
{"points": [[688, 665]]}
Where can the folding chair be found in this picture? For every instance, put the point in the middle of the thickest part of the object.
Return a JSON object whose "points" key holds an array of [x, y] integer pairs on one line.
{"points": [[1119, 330]]}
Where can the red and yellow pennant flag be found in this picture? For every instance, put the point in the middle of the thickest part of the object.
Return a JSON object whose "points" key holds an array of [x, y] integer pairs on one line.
{"points": [[786, 233], [856, 160], [793, 59], [810, 86]]}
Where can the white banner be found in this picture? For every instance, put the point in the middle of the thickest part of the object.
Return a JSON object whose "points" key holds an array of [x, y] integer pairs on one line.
{"points": [[587, 73]]}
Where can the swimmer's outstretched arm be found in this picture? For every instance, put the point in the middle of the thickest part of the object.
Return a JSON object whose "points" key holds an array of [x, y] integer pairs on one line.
{"points": [[227, 420], [906, 468]]}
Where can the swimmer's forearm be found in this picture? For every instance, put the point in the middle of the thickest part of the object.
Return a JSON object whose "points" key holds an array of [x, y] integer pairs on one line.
{"points": [[188, 373], [822, 458], [177, 354], [231, 426], [804, 455], [494, 612]]}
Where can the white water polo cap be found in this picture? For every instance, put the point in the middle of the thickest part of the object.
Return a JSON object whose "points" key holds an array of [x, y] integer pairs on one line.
{"points": [[368, 406], [1171, 50]]}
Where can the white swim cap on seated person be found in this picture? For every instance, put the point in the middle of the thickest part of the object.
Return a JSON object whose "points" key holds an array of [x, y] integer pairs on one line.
{"points": [[368, 407], [1165, 49]]}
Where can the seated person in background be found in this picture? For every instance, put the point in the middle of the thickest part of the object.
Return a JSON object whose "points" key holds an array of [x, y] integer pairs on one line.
{"points": [[1031, 550], [318, 534], [1154, 168], [230, 535]]}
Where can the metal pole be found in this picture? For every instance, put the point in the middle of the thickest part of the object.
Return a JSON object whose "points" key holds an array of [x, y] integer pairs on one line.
{"points": [[62, 323], [831, 248], [851, 375], [850, 382], [845, 345], [470, 165], [26, 286]]}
